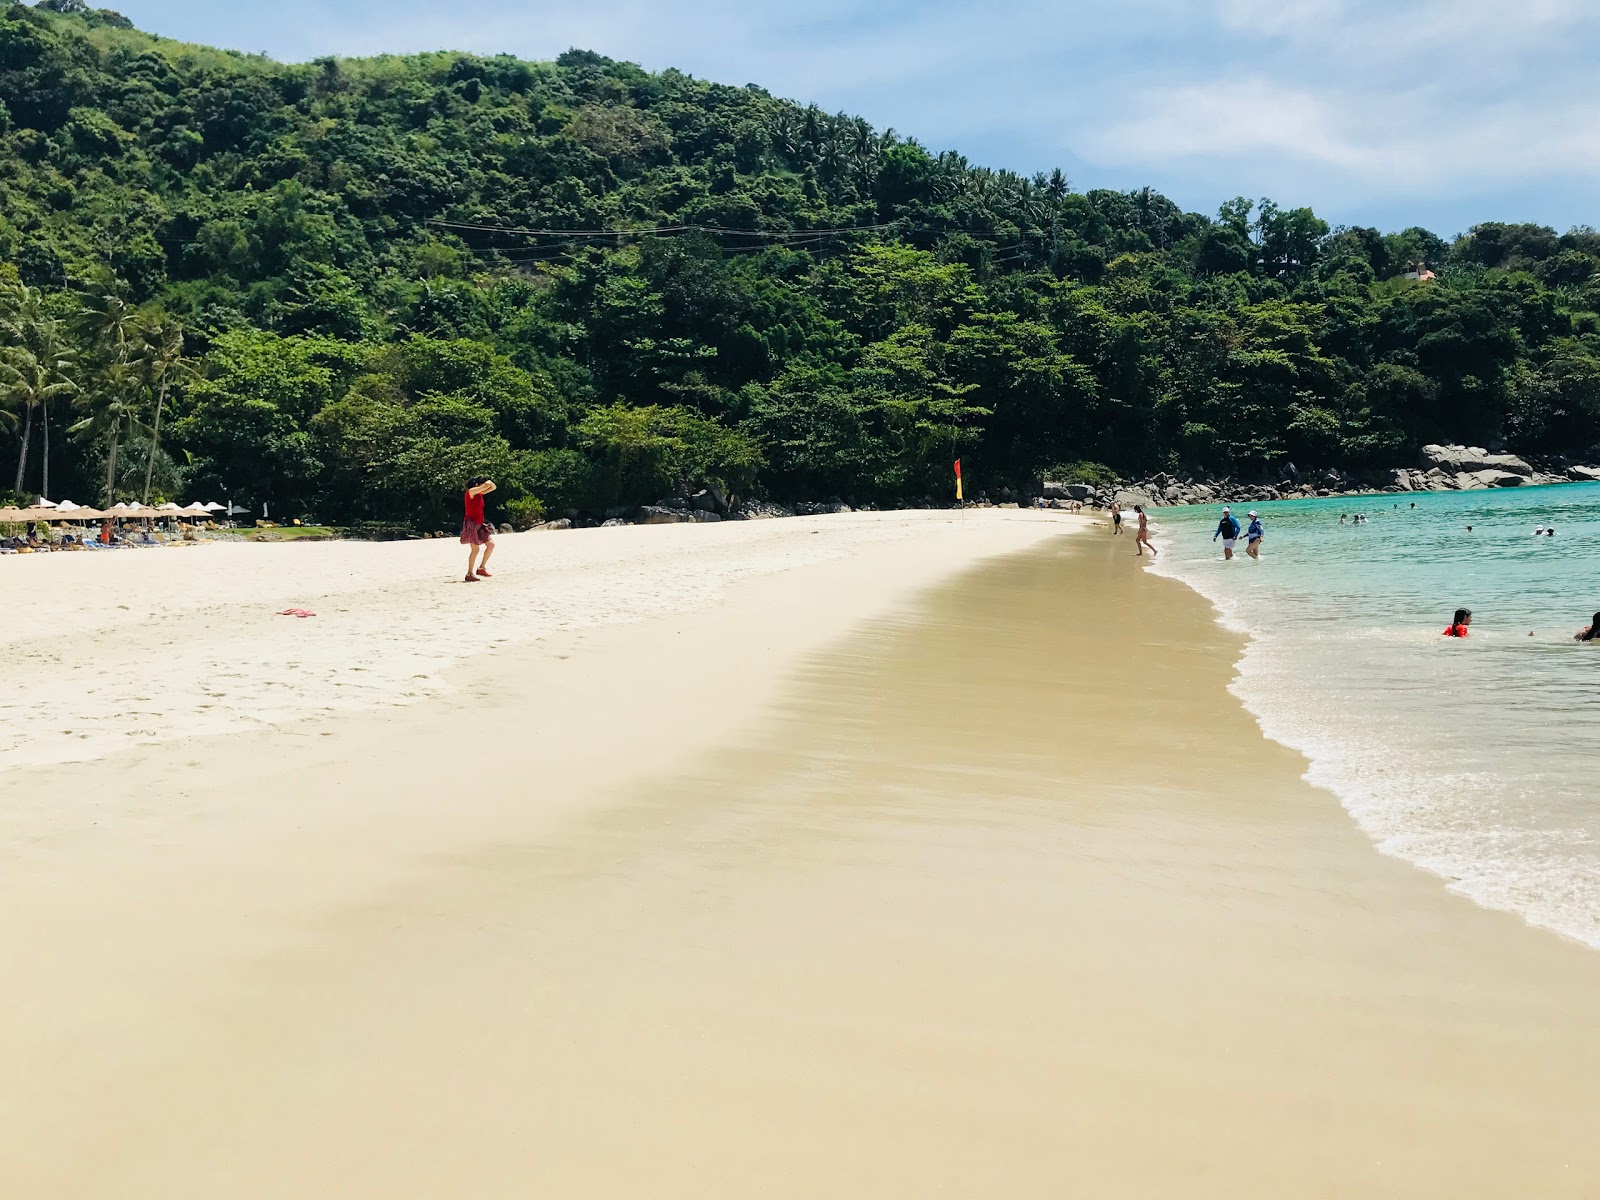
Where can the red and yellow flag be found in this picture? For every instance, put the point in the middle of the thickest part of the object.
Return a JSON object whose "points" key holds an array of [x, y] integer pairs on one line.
{"points": [[958, 479]]}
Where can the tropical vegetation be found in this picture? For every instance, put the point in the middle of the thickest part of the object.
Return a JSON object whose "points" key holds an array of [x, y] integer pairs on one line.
{"points": [[340, 288]]}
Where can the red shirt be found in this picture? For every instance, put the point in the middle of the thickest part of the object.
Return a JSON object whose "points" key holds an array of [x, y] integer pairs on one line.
{"points": [[474, 506], [1453, 631]]}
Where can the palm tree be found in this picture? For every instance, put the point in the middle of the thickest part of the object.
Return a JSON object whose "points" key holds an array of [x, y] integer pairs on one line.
{"points": [[162, 363], [35, 368], [113, 327], [112, 407], [32, 376]]}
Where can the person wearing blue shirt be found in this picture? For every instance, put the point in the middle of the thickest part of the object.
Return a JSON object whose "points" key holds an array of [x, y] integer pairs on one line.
{"points": [[1228, 531], [1253, 536]]}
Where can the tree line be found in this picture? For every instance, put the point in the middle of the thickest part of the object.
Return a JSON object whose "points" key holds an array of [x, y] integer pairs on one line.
{"points": [[342, 287]]}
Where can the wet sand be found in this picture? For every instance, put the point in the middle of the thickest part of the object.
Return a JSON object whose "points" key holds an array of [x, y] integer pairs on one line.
{"points": [[1001, 894]]}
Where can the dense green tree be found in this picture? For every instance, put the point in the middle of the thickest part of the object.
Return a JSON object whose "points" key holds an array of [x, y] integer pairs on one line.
{"points": [[340, 287]]}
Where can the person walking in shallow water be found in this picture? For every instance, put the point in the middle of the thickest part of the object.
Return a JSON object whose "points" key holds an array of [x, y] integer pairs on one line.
{"points": [[1143, 540], [1116, 517], [1253, 536], [475, 531], [1228, 531]]}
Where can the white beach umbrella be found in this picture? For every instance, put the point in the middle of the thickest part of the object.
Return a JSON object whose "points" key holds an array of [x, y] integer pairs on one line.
{"points": [[43, 503], [212, 506]]}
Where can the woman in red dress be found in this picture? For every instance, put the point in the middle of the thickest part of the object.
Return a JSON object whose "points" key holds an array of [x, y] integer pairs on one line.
{"points": [[475, 531]]}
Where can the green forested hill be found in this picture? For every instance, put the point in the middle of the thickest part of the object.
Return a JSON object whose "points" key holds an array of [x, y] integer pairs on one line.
{"points": [[347, 285]]}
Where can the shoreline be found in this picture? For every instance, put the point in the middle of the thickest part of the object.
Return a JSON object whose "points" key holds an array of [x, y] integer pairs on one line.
{"points": [[927, 860], [1378, 803]]}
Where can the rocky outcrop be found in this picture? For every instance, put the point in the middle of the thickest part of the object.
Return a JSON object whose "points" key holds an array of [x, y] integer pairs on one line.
{"points": [[1080, 492], [1472, 459], [760, 510], [822, 508], [1496, 478], [1584, 474], [654, 514]]}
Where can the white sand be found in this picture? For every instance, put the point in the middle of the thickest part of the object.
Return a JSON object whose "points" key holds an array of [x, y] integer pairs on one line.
{"points": [[105, 650], [999, 895]]}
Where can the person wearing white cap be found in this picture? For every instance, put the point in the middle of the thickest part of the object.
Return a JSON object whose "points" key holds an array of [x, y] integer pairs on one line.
{"points": [[1253, 536], [1228, 531]]}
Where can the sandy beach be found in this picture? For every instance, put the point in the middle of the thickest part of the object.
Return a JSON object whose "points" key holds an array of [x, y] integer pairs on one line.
{"points": [[869, 855]]}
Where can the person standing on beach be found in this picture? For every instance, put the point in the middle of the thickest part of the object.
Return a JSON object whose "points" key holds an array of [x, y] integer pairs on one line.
{"points": [[1116, 517], [1228, 531], [1143, 540], [475, 531], [1253, 536]]}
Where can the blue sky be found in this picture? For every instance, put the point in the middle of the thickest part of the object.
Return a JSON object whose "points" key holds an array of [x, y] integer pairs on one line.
{"points": [[1438, 113]]}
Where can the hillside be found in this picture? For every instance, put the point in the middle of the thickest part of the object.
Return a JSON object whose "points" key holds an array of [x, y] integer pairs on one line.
{"points": [[347, 285]]}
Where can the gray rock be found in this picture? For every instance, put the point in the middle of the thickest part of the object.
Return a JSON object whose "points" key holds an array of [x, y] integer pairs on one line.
{"points": [[655, 514], [757, 510], [613, 523], [701, 516], [563, 523], [1471, 459], [1584, 474], [1492, 478], [1067, 491], [1128, 497], [703, 502]]}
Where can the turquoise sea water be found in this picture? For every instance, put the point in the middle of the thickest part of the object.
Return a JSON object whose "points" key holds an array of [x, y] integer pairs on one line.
{"points": [[1478, 760]]}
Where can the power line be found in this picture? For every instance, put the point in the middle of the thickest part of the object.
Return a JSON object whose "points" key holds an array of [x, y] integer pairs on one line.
{"points": [[776, 235]]}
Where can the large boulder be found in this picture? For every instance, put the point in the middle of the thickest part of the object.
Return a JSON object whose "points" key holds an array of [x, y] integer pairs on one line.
{"points": [[1584, 474], [704, 517], [1053, 490], [1456, 459], [758, 510], [1128, 497], [1493, 478], [654, 514]]}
